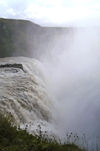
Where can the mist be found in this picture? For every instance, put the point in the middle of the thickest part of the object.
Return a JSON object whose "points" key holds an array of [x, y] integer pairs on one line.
{"points": [[74, 79], [71, 61]]}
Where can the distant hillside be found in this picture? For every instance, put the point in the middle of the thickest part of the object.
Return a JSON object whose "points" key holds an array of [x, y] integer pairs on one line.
{"points": [[24, 38]]}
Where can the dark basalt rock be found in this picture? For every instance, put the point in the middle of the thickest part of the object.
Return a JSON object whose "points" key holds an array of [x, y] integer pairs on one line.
{"points": [[20, 66]]}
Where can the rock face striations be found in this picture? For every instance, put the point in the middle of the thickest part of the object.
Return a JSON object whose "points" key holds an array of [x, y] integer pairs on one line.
{"points": [[23, 90]]}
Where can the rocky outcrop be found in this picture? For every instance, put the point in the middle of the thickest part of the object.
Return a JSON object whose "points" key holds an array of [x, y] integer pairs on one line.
{"points": [[20, 66]]}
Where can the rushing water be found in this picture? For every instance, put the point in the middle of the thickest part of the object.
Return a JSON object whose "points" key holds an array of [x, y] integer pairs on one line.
{"points": [[23, 90]]}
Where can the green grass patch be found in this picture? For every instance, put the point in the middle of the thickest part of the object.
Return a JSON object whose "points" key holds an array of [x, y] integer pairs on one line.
{"points": [[16, 139]]}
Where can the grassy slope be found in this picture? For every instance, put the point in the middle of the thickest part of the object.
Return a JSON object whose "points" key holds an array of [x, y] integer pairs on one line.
{"points": [[13, 139]]}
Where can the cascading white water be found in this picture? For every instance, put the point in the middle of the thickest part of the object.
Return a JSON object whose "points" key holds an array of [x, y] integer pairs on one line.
{"points": [[23, 90]]}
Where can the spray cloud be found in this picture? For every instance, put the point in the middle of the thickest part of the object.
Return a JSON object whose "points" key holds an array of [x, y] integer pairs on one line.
{"points": [[74, 74]]}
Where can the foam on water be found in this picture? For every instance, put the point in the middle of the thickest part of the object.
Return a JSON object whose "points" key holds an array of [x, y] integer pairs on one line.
{"points": [[24, 93]]}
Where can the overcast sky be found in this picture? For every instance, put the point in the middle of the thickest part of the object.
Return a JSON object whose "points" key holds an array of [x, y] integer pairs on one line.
{"points": [[48, 12]]}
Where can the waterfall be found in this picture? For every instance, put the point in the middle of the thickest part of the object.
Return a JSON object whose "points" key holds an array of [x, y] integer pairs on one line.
{"points": [[24, 91]]}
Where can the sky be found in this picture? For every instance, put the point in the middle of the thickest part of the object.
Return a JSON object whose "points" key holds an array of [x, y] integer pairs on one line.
{"points": [[52, 12]]}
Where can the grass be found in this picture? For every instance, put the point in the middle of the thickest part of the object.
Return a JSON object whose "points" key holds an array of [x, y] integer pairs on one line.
{"points": [[16, 139]]}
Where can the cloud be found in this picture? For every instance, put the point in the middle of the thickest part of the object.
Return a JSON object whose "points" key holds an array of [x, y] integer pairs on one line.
{"points": [[62, 13], [51, 11]]}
